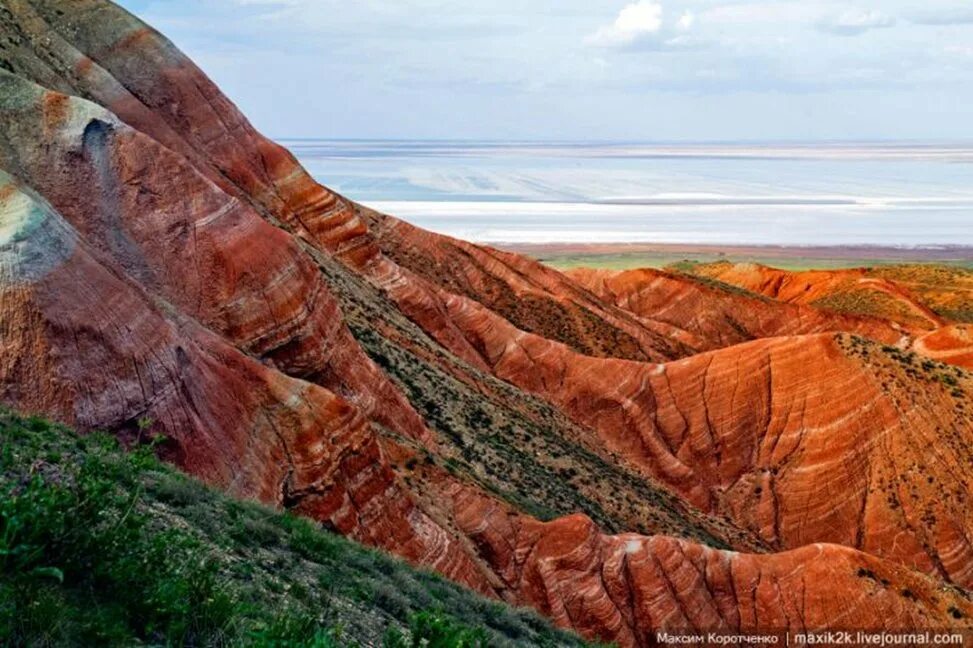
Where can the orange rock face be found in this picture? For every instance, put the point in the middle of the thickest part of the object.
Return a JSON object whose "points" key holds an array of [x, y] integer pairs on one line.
{"points": [[627, 588], [531, 296], [163, 264], [856, 291], [718, 316], [952, 344], [800, 439], [69, 353]]}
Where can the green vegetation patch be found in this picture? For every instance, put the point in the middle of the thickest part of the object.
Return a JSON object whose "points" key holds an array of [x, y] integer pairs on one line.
{"points": [[104, 547], [870, 303]]}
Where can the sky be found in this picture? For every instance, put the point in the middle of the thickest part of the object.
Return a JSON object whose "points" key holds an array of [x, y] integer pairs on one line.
{"points": [[586, 70]]}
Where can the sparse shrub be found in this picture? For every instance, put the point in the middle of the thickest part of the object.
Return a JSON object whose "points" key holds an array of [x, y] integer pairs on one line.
{"points": [[436, 630]]}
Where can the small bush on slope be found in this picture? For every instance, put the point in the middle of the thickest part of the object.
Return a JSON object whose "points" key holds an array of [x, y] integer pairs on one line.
{"points": [[103, 547]]}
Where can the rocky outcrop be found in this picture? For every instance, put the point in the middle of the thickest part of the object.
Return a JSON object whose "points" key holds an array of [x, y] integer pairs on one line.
{"points": [[165, 270], [98, 51], [752, 432], [745, 447], [237, 274]]}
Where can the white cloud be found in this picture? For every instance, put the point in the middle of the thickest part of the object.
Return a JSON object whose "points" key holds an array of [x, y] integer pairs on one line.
{"points": [[431, 67], [856, 21], [637, 21], [686, 21]]}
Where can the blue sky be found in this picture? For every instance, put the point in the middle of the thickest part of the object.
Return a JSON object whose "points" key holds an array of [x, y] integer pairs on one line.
{"points": [[586, 69]]}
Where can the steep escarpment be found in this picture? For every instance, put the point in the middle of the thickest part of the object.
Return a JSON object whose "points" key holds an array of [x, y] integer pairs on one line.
{"points": [[202, 256], [738, 431], [514, 445], [627, 588], [100, 52], [659, 453]]}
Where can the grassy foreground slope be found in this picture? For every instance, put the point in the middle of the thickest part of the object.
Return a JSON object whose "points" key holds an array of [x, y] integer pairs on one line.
{"points": [[99, 546]]}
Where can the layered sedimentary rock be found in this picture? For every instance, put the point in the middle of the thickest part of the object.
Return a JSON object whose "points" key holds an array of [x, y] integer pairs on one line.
{"points": [[952, 344], [629, 588], [933, 304], [237, 274], [84, 343], [531, 296], [803, 439], [753, 431], [716, 315], [165, 269], [97, 51], [855, 291]]}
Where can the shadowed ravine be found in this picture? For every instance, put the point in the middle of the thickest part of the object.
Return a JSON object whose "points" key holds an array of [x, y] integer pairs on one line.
{"points": [[625, 454]]}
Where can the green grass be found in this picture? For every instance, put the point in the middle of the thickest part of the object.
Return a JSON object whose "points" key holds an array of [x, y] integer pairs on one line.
{"points": [[99, 546]]}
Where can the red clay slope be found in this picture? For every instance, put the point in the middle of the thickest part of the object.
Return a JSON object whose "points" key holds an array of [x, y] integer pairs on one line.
{"points": [[716, 313], [852, 290], [803, 439], [906, 295], [798, 439], [952, 344]]}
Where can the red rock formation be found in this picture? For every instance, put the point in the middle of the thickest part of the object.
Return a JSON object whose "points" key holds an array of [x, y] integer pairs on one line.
{"points": [[238, 274], [901, 294], [627, 588], [531, 296], [716, 437], [750, 431], [852, 290], [952, 344], [716, 315], [160, 260], [100, 52], [86, 345], [801, 439]]}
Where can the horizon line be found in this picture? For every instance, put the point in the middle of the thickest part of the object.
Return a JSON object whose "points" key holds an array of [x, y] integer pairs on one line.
{"points": [[596, 142]]}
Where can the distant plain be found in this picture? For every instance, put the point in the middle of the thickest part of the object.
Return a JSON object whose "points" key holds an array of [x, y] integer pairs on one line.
{"points": [[837, 204], [622, 256]]}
